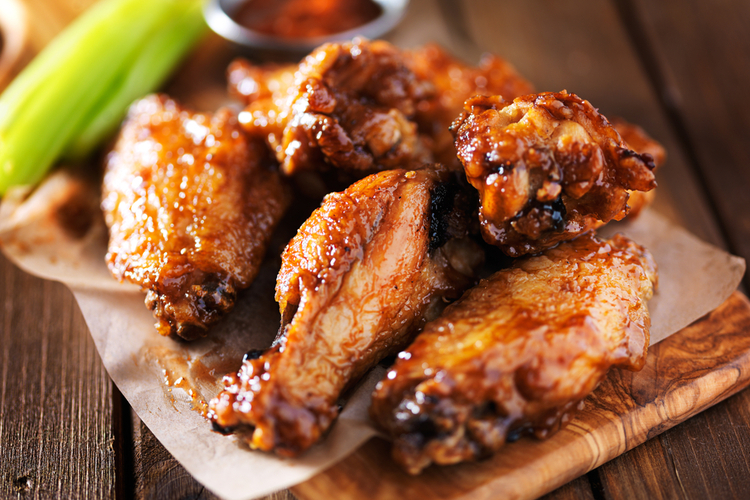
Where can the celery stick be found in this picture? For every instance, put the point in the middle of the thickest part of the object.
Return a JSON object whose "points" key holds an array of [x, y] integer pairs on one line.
{"points": [[59, 98], [154, 63], [53, 58], [55, 106]]}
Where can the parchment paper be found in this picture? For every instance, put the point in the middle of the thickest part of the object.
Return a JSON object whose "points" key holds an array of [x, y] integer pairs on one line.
{"points": [[165, 381]]}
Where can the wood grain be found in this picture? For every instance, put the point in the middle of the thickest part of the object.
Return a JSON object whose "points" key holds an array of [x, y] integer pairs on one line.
{"points": [[578, 489], [697, 55], [684, 374], [702, 458], [56, 412]]}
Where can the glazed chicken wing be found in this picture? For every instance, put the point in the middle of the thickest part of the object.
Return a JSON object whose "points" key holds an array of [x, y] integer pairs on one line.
{"points": [[351, 107], [268, 84], [639, 141], [365, 106], [454, 83], [548, 167], [359, 279], [190, 203], [518, 352]]}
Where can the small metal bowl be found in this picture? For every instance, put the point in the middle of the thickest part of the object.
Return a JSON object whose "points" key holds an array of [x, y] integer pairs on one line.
{"points": [[218, 14]]}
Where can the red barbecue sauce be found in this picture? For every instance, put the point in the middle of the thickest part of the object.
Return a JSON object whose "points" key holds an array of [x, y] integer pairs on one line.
{"points": [[306, 18]]}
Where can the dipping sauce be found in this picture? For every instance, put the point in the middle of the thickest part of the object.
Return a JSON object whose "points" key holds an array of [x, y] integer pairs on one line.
{"points": [[306, 18]]}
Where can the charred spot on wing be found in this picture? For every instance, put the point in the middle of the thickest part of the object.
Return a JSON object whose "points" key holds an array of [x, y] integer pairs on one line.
{"points": [[647, 159], [453, 212], [485, 410], [557, 212], [253, 354], [424, 427], [189, 331], [215, 295], [442, 198], [221, 429], [541, 218]]}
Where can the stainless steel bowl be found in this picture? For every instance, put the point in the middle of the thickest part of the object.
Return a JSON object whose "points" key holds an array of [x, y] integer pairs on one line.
{"points": [[219, 13]]}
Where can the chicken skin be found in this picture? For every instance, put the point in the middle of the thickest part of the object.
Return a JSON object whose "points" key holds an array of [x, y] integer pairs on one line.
{"points": [[365, 106], [548, 167], [351, 107], [639, 141], [357, 282], [518, 352], [454, 83], [190, 203], [268, 84]]}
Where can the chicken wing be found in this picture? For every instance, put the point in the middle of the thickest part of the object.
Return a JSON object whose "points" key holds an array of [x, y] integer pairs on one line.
{"points": [[190, 203], [548, 167], [359, 279], [454, 83], [639, 141], [365, 106], [351, 107], [518, 352], [268, 84]]}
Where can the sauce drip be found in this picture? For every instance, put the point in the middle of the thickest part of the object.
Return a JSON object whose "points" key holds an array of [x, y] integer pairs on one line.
{"points": [[199, 376], [306, 18]]}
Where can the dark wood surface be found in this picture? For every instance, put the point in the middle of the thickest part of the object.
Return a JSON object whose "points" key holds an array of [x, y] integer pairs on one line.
{"points": [[678, 67]]}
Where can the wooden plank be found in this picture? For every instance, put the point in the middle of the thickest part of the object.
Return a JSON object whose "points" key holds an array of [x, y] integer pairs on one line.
{"points": [[56, 412], [705, 457], [578, 489], [700, 455], [697, 54], [684, 374]]}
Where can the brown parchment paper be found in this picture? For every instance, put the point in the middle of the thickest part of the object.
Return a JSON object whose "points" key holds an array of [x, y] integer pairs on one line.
{"points": [[165, 380]]}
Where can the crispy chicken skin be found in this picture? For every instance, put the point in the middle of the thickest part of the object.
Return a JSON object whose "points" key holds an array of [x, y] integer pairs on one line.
{"points": [[190, 203], [268, 84], [547, 166], [351, 107], [360, 278], [518, 352], [365, 106], [454, 83], [639, 141]]}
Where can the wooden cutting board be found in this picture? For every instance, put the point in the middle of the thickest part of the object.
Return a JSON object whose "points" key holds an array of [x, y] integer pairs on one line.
{"points": [[688, 372]]}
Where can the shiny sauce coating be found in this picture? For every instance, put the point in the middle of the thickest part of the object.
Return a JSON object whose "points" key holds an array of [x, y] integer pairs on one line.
{"points": [[190, 202], [518, 352], [548, 167], [358, 280]]}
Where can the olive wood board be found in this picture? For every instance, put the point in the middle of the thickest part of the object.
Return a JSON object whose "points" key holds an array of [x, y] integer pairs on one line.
{"points": [[684, 374]]}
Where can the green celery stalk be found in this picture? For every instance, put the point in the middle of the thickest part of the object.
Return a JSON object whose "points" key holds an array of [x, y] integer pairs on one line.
{"points": [[59, 94], [157, 58]]}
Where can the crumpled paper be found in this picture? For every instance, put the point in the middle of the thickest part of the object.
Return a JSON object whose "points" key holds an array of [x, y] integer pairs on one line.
{"points": [[167, 382]]}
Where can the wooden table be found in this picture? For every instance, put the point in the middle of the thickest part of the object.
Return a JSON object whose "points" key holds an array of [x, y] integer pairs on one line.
{"points": [[680, 68]]}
